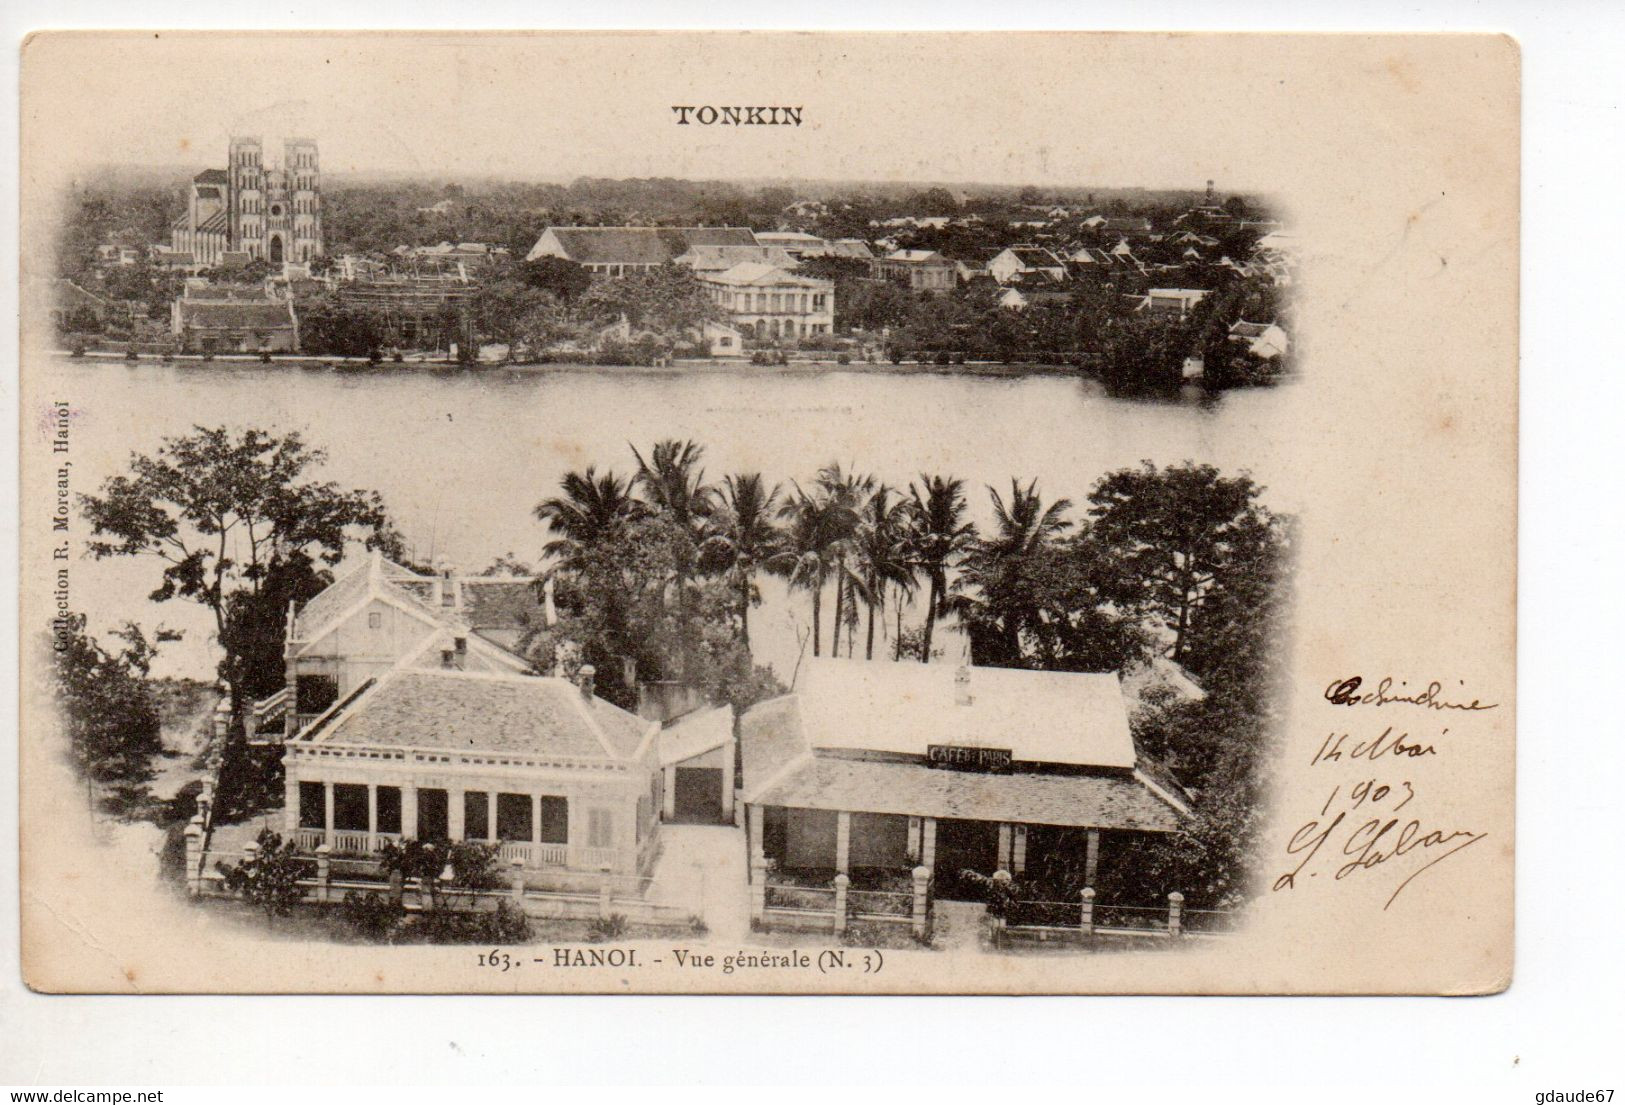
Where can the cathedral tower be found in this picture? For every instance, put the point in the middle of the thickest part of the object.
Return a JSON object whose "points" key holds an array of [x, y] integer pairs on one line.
{"points": [[247, 196]]}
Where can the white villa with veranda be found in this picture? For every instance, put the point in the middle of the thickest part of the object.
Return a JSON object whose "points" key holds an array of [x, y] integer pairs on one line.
{"points": [[881, 767], [409, 713]]}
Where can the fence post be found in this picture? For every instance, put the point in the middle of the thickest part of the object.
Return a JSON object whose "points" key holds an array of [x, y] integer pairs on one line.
{"points": [[605, 898], [324, 870], [205, 802], [1176, 905], [1086, 918], [841, 883], [922, 886], [1001, 898], [518, 880], [758, 889], [194, 856]]}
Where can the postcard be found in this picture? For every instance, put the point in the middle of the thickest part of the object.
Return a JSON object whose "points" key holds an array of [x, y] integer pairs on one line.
{"points": [[768, 513]]}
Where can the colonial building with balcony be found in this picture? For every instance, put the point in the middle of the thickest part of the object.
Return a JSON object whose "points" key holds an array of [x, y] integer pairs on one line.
{"points": [[767, 302], [872, 769], [559, 779]]}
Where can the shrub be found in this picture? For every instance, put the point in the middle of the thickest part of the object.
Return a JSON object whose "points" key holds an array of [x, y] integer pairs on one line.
{"points": [[612, 927], [507, 924], [843, 358], [371, 915]]}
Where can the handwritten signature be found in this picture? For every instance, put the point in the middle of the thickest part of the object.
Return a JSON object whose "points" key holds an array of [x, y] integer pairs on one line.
{"points": [[1371, 844], [1346, 692]]}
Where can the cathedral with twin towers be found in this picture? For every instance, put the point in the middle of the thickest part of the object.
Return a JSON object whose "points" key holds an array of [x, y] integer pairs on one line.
{"points": [[251, 211]]}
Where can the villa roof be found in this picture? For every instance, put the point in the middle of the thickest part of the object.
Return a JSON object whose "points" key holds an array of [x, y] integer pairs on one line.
{"points": [[641, 245], [1092, 801], [783, 767], [1035, 257], [1077, 718], [722, 258], [755, 272], [212, 176], [469, 711], [917, 257], [236, 314]]}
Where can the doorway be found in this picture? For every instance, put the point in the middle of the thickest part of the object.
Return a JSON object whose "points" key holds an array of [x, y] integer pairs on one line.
{"points": [[699, 795], [965, 846]]}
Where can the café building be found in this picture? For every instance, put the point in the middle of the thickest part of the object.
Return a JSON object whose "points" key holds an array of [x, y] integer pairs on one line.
{"points": [[879, 767]]}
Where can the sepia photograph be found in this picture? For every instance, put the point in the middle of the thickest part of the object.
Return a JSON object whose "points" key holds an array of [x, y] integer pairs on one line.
{"points": [[738, 541]]}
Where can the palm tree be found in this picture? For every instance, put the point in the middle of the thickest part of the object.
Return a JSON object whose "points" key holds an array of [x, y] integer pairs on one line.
{"points": [[845, 494], [814, 526], [941, 537], [591, 511], [1003, 573], [743, 538], [883, 553], [673, 485]]}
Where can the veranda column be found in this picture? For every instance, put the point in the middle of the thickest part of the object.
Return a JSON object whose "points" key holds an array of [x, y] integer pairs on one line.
{"points": [[728, 782], [914, 840], [536, 824], [928, 844], [668, 798], [1018, 855], [290, 804], [454, 813], [491, 816], [409, 811], [753, 822], [1091, 857], [327, 813], [372, 817], [843, 842], [1005, 837]]}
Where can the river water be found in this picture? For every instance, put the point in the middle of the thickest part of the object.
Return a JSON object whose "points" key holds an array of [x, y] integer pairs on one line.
{"points": [[462, 458]]}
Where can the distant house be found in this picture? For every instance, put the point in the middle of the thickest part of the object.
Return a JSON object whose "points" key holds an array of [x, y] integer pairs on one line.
{"points": [[766, 301], [969, 270], [1089, 258], [722, 340], [608, 251], [806, 246], [70, 305], [1025, 261], [443, 207], [1133, 226], [807, 209], [207, 322], [920, 270], [1172, 301], [1264, 340]]}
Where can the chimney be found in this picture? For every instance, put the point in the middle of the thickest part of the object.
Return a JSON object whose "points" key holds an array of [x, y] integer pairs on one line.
{"points": [[587, 679], [962, 695]]}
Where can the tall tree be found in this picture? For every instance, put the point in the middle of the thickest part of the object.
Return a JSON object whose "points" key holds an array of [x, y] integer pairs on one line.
{"points": [[883, 549], [1173, 534], [592, 511], [941, 537], [673, 485], [227, 514], [105, 702], [812, 529], [844, 494], [743, 538], [1008, 577]]}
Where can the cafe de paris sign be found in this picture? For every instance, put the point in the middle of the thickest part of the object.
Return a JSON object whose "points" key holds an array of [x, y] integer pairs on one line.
{"points": [[964, 758]]}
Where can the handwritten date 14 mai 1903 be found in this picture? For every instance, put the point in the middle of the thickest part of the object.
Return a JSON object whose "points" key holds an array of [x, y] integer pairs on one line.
{"points": [[1371, 824]]}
